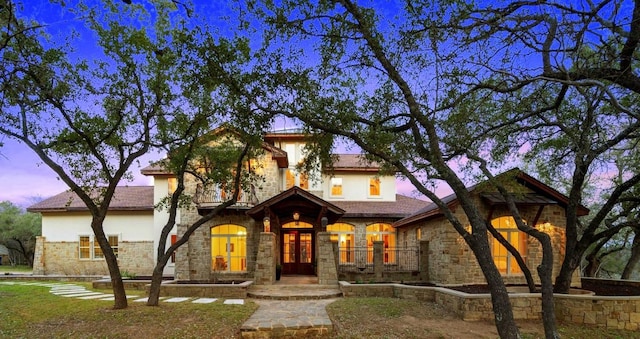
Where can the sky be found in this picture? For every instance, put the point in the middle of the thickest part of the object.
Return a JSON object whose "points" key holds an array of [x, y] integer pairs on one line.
{"points": [[25, 179]]}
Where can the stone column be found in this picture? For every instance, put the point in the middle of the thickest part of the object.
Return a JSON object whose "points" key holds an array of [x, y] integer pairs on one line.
{"points": [[424, 260], [182, 264], [38, 257], [265, 273], [378, 259], [327, 270]]}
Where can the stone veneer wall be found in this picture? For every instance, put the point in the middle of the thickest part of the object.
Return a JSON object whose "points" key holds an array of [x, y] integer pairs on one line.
{"points": [[608, 312], [451, 261], [62, 258], [193, 259]]}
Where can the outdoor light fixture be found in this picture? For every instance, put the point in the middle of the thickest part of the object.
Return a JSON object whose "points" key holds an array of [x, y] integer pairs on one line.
{"points": [[267, 224], [296, 217]]}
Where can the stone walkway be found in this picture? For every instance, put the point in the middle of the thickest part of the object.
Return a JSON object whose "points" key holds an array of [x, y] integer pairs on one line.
{"points": [[277, 318], [80, 292]]}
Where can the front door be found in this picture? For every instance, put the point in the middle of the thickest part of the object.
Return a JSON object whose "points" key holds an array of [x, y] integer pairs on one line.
{"points": [[297, 252]]}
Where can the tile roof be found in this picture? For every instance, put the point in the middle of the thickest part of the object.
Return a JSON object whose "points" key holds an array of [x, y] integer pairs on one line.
{"points": [[126, 198], [403, 207], [354, 162]]}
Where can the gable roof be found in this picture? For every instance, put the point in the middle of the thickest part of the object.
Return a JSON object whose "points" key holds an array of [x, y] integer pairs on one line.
{"points": [[544, 195], [292, 199], [125, 198]]}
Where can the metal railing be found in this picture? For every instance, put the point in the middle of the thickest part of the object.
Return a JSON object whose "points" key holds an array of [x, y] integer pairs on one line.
{"points": [[361, 259], [217, 195]]}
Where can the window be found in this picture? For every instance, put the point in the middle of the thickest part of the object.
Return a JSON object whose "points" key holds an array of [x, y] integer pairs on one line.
{"points": [[296, 179], [344, 234], [229, 248], [374, 187], [290, 178], [172, 184], [174, 238], [336, 187], [85, 247], [504, 260], [418, 234], [89, 248], [304, 181], [385, 233]]}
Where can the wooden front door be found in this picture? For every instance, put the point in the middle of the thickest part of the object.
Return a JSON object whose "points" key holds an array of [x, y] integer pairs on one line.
{"points": [[297, 252]]}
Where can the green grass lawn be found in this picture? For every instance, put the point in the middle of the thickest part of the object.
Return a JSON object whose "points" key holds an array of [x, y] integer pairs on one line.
{"points": [[29, 311], [33, 312], [17, 269]]}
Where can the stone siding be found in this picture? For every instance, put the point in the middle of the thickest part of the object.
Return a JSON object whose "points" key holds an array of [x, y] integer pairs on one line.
{"points": [[582, 309], [63, 258], [451, 260]]}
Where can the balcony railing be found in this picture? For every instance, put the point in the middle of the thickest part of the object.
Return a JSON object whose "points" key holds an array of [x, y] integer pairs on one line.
{"points": [[360, 259], [216, 195]]}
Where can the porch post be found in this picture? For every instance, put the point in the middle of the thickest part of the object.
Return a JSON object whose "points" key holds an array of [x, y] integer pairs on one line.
{"points": [[378, 259], [424, 260], [265, 273], [327, 270], [38, 257]]}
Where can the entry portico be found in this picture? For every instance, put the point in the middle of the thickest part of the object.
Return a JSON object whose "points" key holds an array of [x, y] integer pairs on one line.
{"points": [[296, 217]]}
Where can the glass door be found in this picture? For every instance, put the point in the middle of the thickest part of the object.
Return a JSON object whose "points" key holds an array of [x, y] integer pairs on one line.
{"points": [[297, 252]]}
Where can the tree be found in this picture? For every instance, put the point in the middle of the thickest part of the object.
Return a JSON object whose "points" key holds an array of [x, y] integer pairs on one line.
{"points": [[565, 79], [89, 121], [374, 76], [18, 230]]}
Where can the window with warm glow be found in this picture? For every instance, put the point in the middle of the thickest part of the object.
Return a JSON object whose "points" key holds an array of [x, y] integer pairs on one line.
{"points": [[381, 232], [344, 234], [374, 187], [89, 248], [290, 179], [229, 248], [505, 262], [304, 181], [172, 185], [336, 187]]}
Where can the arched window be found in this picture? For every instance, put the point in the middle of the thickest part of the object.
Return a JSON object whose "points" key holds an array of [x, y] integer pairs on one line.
{"points": [[344, 234], [504, 260], [382, 232], [229, 248]]}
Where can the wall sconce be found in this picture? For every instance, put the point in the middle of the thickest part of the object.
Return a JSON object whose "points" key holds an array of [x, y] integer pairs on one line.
{"points": [[267, 224], [296, 217]]}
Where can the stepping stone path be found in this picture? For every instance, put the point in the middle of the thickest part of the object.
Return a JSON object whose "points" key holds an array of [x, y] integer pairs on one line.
{"points": [[80, 292]]}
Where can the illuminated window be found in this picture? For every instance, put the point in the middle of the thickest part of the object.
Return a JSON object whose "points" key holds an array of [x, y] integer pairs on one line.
{"points": [[418, 234], [89, 248], [374, 187], [85, 247], [344, 234], [297, 224], [290, 178], [505, 262], [304, 181], [229, 248], [174, 238], [381, 232], [336, 187], [172, 184]]}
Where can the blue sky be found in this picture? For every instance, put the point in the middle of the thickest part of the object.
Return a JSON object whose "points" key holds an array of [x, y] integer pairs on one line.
{"points": [[25, 179]]}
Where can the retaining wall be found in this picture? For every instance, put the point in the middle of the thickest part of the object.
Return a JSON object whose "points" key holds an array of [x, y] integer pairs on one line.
{"points": [[609, 312]]}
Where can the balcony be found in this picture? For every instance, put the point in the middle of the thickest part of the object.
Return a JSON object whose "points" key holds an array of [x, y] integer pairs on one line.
{"points": [[216, 195]]}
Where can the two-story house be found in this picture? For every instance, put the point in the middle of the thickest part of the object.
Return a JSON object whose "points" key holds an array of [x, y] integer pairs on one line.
{"points": [[291, 220]]}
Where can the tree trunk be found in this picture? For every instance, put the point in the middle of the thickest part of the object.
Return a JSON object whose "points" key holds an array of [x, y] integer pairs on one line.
{"points": [[635, 257], [545, 272], [569, 265], [503, 314], [120, 296], [156, 280]]}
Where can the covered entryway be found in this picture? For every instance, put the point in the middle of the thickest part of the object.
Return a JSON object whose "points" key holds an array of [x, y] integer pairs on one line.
{"points": [[296, 216]]}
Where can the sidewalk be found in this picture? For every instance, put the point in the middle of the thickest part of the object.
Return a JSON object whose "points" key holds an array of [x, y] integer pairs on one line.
{"points": [[277, 318]]}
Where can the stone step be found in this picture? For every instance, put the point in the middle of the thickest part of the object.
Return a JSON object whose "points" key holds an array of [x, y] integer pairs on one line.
{"points": [[294, 292]]}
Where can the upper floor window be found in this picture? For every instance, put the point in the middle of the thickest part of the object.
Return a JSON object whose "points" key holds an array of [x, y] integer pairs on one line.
{"points": [[504, 260], [374, 187], [296, 179], [172, 185], [336, 187]]}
